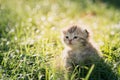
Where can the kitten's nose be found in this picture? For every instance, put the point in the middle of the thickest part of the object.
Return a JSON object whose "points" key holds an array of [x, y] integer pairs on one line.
{"points": [[70, 41]]}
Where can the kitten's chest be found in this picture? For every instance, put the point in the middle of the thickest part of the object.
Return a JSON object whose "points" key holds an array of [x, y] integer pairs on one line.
{"points": [[76, 55]]}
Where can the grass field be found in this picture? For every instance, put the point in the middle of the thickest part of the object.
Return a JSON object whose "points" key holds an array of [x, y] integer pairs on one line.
{"points": [[30, 37]]}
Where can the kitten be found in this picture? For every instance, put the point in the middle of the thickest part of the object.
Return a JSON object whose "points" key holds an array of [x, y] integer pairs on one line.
{"points": [[78, 48]]}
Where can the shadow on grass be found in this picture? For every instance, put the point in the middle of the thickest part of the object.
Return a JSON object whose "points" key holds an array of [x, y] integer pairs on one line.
{"points": [[115, 3], [101, 71]]}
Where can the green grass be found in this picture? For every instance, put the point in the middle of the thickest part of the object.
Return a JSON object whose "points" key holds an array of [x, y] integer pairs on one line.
{"points": [[30, 38]]}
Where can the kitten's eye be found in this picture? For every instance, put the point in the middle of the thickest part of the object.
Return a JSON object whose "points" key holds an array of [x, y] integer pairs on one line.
{"points": [[75, 37], [67, 37]]}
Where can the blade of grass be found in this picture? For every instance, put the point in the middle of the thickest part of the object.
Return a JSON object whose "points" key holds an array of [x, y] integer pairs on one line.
{"points": [[89, 72]]}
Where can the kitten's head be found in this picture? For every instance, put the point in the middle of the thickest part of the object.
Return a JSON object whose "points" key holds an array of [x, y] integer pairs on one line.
{"points": [[74, 36]]}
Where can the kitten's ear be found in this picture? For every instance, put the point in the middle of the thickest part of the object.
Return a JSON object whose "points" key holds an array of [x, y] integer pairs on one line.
{"points": [[86, 33], [63, 32]]}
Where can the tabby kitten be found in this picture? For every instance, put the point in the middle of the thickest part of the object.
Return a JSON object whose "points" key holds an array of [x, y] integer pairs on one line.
{"points": [[78, 48]]}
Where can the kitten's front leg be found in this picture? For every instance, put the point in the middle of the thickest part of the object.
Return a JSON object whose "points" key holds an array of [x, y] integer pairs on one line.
{"points": [[68, 64], [67, 60]]}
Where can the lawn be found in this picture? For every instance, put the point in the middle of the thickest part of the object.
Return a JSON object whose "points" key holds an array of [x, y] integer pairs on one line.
{"points": [[30, 39]]}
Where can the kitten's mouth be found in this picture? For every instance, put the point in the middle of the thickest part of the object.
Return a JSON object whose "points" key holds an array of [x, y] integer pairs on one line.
{"points": [[70, 43]]}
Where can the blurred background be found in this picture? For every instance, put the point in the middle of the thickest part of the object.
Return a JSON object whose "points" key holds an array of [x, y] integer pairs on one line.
{"points": [[30, 17]]}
